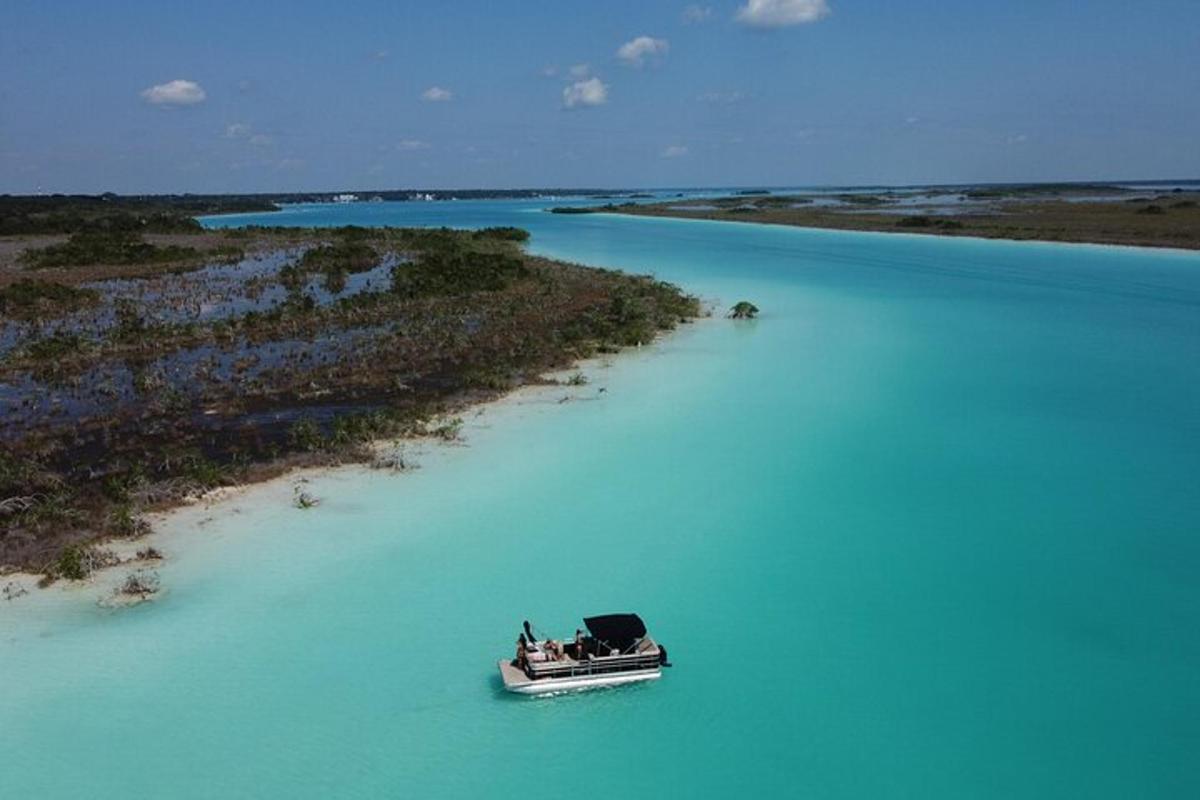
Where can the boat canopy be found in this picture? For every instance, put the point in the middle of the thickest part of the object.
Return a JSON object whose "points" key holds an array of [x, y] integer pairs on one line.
{"points": [[617, 630]]}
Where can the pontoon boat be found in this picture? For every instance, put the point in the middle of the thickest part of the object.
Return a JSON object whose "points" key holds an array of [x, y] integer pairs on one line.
{"points": [[616, 650]]}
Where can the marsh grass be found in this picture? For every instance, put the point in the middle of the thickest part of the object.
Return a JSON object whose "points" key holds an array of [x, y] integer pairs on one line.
{"points": [[158, 412], [36, 299], [105, 247]]}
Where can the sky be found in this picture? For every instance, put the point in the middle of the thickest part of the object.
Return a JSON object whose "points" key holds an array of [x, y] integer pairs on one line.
{"points": [[141, 97]]}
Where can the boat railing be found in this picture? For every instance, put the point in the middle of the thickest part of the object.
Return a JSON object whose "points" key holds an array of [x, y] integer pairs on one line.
{"points": [[595, 665]]}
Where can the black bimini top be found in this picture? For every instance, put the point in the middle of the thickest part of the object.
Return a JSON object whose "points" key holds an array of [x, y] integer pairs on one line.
{"points": [[616, 630]]}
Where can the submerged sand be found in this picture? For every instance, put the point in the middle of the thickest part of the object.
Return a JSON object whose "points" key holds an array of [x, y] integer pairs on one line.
{"points": [[174, 530]]}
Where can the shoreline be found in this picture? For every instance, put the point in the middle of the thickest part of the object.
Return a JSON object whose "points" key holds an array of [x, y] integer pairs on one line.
{"points": [[1171, 249], [171, 529], [265, 363]]}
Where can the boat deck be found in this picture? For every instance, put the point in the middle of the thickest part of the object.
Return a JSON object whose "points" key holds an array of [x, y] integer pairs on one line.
{"points": [[512, 676]]}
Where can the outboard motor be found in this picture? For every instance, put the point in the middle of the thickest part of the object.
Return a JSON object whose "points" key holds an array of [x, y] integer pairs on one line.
{"points": [[662, 656]]}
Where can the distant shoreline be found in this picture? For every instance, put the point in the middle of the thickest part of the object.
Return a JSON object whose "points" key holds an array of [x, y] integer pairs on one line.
{"points": [[1170, 221]]}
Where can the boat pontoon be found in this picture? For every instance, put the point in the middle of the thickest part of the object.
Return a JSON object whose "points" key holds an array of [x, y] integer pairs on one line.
{"points": [[616, 650]]}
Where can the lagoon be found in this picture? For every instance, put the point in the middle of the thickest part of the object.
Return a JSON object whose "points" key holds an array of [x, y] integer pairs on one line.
{"points": [[929, 526]]}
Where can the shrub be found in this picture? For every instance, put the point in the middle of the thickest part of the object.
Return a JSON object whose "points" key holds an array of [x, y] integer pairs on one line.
{"points": [[105, 247], [305, 501], [743, 310], [77, 562], [31, 299], [351, 256], [202, 472], [71, 564], [122, 521], [55, 346], [305, 434], [504, 233], [448, 431], [453, 270], [140, 584]]}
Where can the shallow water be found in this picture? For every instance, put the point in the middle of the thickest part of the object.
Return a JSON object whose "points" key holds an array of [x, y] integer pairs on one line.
{"points": [[927, 528]]}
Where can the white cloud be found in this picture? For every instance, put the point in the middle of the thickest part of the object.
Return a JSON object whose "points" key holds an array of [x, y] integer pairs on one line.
{"points": [[781, 13], [243, 132], [1019, 138], [675, 151], [580, 71], [635, 52], [436, 94], [409, 145], [694, 15], [550, 71], [591, 92], [174, 93], [381, 55]]}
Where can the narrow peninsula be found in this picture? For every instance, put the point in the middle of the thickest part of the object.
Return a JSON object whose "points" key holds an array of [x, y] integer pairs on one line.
{"points": [[145, 360], [1080, 213]]}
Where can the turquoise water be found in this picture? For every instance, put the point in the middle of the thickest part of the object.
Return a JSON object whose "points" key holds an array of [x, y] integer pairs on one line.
{"points": [[930, 527]]}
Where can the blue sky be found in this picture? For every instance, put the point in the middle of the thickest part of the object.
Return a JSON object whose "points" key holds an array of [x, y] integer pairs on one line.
{"points": [[256, 96]]}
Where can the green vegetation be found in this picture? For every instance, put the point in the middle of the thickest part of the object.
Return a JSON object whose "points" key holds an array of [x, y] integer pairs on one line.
{"points": [[928, 222], [56, 346], [28, 299], [111, 213], [1032, 189], [72, 564], [744, 309], [505, 233], [453, 266], [863, 200], [159, 400], [305, 435], [346, 256], [1049, 212], [637, 313], [334, 261], [93, 247], [448, 430]]}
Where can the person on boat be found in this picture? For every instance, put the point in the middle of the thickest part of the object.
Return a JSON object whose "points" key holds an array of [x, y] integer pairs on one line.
{"points": [[580, 647], [553, 649], [521, 658]]}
